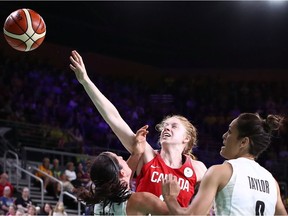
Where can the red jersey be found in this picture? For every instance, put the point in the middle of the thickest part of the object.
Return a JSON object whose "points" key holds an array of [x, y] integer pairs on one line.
{"points": [[154, 171]]}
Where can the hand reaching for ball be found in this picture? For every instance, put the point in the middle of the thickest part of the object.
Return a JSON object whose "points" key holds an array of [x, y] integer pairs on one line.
{"points": [[77, 65]]}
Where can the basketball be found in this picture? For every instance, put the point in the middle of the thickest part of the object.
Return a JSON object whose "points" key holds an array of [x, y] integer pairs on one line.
{"points": [[24, 30]]}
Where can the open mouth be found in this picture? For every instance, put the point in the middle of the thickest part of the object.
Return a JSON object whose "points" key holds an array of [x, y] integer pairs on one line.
{"points": [[165, 134]]}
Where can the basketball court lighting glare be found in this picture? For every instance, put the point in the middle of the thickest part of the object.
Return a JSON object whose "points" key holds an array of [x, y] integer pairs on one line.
{"points": [[277, 1]]}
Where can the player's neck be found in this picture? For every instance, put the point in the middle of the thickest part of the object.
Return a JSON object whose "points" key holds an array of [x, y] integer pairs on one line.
{"points": [[247, 156], [171, 159]]}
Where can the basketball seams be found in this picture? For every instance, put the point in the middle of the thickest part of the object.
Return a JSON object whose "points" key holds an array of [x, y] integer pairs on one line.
{"points": [[30, 30], [14, 36], [31, 24], [35, 31], [15, 21]]}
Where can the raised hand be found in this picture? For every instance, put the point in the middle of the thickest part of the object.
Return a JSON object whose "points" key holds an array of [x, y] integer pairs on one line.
{"points": [[77, 65], [140, 140]]}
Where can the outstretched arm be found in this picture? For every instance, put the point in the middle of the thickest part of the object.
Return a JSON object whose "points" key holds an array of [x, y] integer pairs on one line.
{"points": [[202, 203], [107, 110], [145, 203]]}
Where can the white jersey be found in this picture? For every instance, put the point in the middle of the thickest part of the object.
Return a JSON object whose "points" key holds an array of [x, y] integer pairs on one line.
{"points": [[114, 209], [251, 190]]}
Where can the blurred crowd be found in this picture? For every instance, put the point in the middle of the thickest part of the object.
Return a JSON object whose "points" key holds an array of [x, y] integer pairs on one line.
{"points": [[37, 93], [21, 204], [71, 177]]}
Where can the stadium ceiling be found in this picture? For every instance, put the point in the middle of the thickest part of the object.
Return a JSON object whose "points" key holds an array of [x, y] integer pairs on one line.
{"points": [[207, 34]]}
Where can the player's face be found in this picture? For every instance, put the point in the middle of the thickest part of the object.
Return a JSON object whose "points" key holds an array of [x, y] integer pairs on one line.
{"points": [[123, 164], [231, 148], [173, 132]]}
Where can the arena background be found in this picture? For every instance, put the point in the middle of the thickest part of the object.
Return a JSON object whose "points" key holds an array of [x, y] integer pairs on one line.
{"points": [[227, 34], [205, 60]]}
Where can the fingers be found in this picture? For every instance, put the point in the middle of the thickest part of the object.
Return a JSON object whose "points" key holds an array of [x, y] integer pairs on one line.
{"points": [[140, 134], [143, 131], [169, 178], [76, 61], [73, 61], [145, 127], [74, 55], [72, 67], [77, 56]]}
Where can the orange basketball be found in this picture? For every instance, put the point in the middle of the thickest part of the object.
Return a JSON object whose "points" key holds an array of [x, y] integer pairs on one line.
{"points": [[24, 30]]}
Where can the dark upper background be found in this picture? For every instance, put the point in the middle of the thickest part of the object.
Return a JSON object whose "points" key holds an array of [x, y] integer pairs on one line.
{"points": [[239, 34]]}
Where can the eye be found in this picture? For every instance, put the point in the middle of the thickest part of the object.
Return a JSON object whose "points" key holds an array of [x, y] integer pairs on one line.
{"points": [[174, 126]]}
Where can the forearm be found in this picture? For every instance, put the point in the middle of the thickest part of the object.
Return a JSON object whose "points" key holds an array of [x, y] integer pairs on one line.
{"points": [[174, 207], [133, 162], [103, 105], [110, 114]]}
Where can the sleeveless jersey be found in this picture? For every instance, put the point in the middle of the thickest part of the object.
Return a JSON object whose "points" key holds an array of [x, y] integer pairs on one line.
{"points": [[251, 190], [114, 209], [154, 171]]}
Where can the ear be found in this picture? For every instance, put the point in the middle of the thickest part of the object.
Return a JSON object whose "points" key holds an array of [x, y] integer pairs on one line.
{"points": [[187, 139], [245, 142], [122, 173]]}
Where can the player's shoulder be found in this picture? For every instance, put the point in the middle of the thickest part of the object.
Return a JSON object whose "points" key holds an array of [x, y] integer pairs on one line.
{"points": [[197, 163], [220, 170]]}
